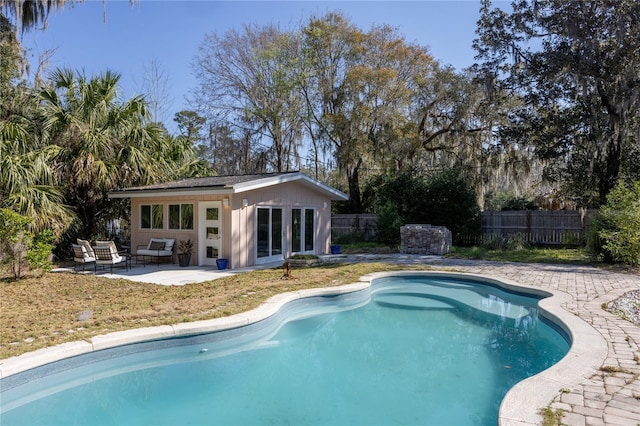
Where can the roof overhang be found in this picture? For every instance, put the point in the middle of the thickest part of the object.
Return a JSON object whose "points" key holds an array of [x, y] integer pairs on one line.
{"points": [[181, 188]]}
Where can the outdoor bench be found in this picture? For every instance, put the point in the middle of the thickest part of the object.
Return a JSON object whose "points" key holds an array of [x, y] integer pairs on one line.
{"points": [[158, 248]]}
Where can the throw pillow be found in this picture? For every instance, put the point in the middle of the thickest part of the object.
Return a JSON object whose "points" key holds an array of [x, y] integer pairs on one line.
{"points": [[156, 245]]}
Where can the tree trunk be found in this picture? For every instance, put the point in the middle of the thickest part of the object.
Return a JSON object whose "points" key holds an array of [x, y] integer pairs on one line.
{"points": [[353, 179], [613, 165]]}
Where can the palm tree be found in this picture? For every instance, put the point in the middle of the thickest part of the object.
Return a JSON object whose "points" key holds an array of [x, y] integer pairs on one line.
{"points": [[28, 183], [103, 143]]}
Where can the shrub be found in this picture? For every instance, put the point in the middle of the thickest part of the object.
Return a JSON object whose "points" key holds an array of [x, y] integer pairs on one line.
{"points": [[19, 248], [618, 225], [493, 242], [516, 242], [451, 202], [388, 225], [39, 254]]}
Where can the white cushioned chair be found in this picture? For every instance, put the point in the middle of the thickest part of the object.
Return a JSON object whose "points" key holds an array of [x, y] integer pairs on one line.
{"points": [[158, 248], [107, 254], [81, 256]]}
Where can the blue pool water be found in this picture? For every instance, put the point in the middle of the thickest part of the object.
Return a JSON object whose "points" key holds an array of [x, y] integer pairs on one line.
{"points": [[410, 350]]}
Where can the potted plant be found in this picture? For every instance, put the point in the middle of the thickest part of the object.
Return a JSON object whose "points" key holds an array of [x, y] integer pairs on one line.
{"points": [[185, 248]]}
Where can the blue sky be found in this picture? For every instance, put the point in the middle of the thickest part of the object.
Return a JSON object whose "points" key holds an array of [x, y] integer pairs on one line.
{"points": [[171, 31]]}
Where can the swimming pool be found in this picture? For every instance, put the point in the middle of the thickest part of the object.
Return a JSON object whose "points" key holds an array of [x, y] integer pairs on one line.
{"points": [[413, 349]]}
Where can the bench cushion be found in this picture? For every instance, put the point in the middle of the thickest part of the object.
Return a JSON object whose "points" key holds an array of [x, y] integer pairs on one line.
{"points": [[110, 244], [147, 252]]}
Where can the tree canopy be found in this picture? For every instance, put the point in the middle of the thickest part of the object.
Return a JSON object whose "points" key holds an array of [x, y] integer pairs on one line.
{"points": [[575, 66], [349, 104]]}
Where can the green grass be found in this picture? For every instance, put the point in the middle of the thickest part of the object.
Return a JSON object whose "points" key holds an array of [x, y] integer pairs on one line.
{"points": [[533, 255]]}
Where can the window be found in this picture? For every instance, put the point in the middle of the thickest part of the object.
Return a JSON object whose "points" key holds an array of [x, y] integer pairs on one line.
{"points": [[180, 216], [151, 216]]}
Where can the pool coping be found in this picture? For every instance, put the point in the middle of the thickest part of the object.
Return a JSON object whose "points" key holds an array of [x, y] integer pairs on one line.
{"points": [[520, 406]]}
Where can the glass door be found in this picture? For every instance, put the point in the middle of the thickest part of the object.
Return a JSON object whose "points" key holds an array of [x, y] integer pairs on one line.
{"points": [[302, 230], [269, 241], [210, 236]]}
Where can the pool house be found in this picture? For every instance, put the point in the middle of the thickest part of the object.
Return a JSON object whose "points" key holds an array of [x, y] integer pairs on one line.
{"points": [[245, 219]]}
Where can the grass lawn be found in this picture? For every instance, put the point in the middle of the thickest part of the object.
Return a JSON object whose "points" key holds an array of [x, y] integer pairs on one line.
{"points": [[533, 255], [46, 311]]}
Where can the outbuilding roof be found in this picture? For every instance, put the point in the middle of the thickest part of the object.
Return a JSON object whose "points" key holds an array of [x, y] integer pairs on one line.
{"points": [[233, 184]]}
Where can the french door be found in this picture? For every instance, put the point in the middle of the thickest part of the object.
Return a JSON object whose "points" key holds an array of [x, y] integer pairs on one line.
{"points": [[303, 230], [269, 232]]}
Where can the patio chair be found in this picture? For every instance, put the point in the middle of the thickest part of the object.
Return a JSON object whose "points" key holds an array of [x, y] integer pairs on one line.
{"points": [[82, 257], [107, 254]]}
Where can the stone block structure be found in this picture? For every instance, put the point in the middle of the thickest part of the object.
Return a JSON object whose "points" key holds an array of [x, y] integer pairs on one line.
{"points": [[425, 239]]}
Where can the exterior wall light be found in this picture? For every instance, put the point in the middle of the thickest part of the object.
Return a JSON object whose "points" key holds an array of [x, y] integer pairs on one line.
{"points": [[245, 202], [225, 202]]}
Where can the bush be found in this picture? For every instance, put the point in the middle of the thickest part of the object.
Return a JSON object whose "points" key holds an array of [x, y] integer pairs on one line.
{"points": [[513, 242], [618, 225], [505, 201], [388, 225], [39, 254], [451, 202], [19, 248]]}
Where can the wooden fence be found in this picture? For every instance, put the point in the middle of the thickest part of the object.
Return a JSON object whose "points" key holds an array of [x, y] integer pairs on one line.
{"points": [[361, 227], [560, 227]]}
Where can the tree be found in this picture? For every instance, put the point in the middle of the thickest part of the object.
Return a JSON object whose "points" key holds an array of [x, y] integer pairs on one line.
{"points": [[103, 144], [28, 183], [575, 67], [155, 86], [247, 80], [20, 248], [359, 91], [27, 14], [190, 124]]}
